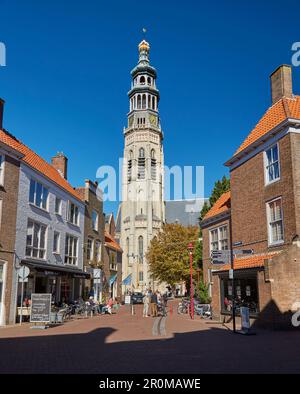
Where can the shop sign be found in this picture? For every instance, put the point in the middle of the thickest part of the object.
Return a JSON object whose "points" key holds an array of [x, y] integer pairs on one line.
{"points": [[40, 308]]}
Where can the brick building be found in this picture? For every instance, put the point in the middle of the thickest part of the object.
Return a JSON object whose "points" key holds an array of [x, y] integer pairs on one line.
{"points": [[94, 225], [112, 260], [45, 226], [9, 184], [264, 208]]}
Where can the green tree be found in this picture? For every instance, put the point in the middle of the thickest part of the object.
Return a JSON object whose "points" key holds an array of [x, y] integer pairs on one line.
{"points": [[202, 292], [168, 254]]}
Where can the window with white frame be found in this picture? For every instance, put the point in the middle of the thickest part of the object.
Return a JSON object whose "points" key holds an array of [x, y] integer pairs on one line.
{"points": [[56, 242], [275, 221], [36, 240], [98, 251], [95, 220], [71, 250], [272, 164], [219, 238], [58, 205], [1, 170], [214, 240], [73, 213], [38, 194], [223, 242], [89, 249]]}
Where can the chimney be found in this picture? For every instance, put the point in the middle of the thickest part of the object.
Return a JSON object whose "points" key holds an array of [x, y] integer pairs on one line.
{"points": [[60, 163], [1, 113], [281, 83]]}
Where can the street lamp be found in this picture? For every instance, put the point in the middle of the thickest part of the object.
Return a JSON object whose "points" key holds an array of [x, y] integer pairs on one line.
{"points": [[190, 249]]}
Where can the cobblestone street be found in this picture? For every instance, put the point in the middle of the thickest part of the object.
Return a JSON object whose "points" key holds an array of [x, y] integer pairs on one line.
{"points": [[123, 343]]}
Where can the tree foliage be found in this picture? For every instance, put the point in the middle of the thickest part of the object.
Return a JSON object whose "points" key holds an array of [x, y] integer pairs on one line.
{"points": [[168, 254]]}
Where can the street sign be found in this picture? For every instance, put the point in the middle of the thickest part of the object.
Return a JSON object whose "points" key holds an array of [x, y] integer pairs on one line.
{"points": [[23, 272], [245, 318], [127, 299], [243, 251], [97, 273], [231, 274], [219, 257]]}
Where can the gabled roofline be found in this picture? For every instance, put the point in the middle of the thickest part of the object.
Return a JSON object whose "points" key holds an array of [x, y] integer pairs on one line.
{"points": [[249, 149], [215, 219]]}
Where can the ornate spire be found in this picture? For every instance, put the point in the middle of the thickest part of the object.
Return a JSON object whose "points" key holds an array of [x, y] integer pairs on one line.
{"points": [[144, 49]]}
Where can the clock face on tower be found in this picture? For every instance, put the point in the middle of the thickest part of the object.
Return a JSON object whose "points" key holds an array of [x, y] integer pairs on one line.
{"points": [[153, 120]]}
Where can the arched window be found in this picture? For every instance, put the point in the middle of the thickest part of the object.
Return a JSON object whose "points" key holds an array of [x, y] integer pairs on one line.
{"points": [[142, 152], [153, 102], [139, 102], [142, 80], [153, 165], [141, 249], [149, 81], [144, 101], [141, 164], [149, 101]]}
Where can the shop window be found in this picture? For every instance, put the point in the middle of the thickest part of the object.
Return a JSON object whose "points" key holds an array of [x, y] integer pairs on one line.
{"points": [[245, 293]]}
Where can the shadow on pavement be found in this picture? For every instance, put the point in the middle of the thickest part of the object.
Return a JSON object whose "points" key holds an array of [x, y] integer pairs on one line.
{"points": [[214, 350]]}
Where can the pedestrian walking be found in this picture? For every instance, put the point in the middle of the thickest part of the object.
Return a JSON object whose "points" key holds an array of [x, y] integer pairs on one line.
{"points": [[164, 303], [146, 302], [154, 304]]}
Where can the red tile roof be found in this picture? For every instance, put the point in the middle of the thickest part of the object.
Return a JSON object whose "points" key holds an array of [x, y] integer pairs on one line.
{"points": [[110, 242], [252, 261], [220, 206], [35, 161], [277, 113]]}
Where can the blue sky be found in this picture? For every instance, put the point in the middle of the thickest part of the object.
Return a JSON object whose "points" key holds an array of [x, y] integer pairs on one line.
{"points": [[68, 74]]}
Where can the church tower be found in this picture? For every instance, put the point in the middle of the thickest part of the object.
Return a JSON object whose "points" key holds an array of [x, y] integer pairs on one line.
{"points": [[142, 209]]}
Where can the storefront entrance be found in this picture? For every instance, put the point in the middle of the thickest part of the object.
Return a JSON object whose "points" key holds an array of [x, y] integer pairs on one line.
{"points": [[245, 294]]}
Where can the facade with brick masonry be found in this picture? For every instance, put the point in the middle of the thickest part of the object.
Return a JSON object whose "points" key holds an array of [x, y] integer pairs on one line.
{"points": [[9, 183], [113, 255], [94, 225], [265, 210]]}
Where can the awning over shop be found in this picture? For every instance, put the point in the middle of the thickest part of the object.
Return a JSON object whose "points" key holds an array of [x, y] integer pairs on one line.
{"points": [[55, 269], [112, 279], [127, 280]]}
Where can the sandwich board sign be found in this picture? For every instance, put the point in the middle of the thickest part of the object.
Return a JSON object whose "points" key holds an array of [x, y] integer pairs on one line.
{"points": [[40, 308]]}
